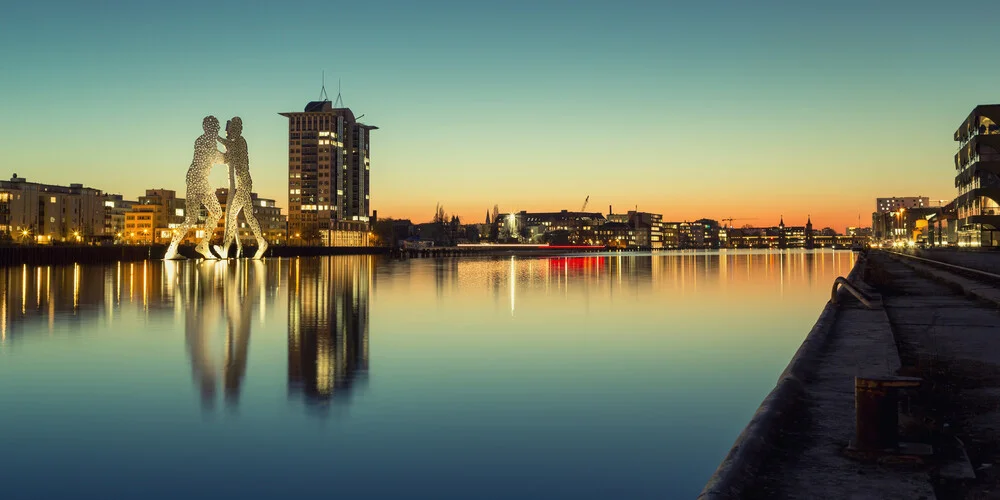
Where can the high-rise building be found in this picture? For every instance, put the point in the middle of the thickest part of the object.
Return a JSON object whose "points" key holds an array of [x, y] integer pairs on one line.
{"points": [[977, 167], [328, 173]]}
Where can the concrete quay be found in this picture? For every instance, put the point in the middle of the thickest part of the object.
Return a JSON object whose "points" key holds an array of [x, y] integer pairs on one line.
{"points": [[927, 321]]}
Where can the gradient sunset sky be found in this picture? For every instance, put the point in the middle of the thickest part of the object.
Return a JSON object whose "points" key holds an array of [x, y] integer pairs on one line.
{"points": [[712, 109]]}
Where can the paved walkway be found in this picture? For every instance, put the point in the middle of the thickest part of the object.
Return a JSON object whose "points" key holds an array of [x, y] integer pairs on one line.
{"points": [[810, 460], [948, 331], [928, 323]]}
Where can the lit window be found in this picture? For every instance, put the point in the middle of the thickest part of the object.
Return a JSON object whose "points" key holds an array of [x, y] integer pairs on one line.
{"points": [[52, 199]]}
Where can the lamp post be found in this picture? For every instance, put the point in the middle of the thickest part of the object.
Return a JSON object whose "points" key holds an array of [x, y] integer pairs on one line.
{"points": [[902, 224]]}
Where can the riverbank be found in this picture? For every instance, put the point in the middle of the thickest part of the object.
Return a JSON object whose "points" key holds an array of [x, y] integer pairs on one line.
{"points": [[925, 322]]}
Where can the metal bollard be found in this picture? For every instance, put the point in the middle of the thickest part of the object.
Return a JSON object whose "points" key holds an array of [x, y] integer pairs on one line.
{"points": [[876, 407]]}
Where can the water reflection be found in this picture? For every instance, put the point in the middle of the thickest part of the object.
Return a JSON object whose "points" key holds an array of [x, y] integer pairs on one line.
{"points": [[541, 367], [217, 300], [626, 276], [217, 303], [328, 327]]}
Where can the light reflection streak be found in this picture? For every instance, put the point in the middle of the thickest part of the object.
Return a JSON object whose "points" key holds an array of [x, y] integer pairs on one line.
{"points": [[513, 285], [76, 286], [3, 317], [145, 285], [24, 289], [781, 274]]}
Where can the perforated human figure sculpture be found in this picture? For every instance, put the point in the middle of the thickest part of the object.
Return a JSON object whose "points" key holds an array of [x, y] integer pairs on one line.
{"points": [[240, 185], [199, 190]]}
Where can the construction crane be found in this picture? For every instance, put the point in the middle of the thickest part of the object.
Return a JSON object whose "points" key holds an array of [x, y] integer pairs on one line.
{"points": [[730, 219], [585, 203]]}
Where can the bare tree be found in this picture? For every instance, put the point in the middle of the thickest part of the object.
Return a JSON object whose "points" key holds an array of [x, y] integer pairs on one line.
{"points": [[439, 214]]}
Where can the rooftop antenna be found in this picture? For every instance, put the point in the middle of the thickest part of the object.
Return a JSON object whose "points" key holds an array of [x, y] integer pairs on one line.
{"points": [[338, 103], [322, 91]]}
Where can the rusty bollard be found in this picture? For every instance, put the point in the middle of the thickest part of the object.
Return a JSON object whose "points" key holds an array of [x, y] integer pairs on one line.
{"points": [[876, 411]]}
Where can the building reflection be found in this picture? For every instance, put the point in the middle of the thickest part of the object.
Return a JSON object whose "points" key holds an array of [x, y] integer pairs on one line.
{"points": [[328, 327], [75, 295], [625, 275]]}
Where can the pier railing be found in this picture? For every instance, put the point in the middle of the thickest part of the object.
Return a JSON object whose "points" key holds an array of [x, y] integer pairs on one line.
{"points": [[842, 282]]}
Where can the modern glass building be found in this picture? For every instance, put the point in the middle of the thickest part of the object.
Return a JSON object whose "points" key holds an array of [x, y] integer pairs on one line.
{"points": [[977, 164]]}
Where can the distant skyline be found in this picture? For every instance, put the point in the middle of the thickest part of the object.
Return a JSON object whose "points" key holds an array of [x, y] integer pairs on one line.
{"points": [[709, 109]]}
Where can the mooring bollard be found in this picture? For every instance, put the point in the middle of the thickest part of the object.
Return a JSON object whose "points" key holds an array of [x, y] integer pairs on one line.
{"points": [[876, 407]]}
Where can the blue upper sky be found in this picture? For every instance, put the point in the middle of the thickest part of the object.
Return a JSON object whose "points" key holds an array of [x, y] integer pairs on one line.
{"points": [[711, 108]]}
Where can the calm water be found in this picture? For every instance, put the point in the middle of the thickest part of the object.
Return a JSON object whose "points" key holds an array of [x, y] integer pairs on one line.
{"points": [[345, 377]]}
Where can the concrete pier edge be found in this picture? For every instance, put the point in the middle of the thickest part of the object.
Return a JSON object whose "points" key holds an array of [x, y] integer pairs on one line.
{"points": [[754, 443]]}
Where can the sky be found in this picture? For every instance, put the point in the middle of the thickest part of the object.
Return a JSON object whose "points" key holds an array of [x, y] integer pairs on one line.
{"points": [[719, 109]]}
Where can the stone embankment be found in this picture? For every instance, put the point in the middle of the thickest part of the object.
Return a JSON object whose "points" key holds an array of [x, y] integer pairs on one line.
{"points": [[926, 321]]}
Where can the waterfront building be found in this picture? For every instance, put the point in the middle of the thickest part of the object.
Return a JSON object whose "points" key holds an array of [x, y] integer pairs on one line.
{"points": [[115, 208], [541, 227], [615, 235], [671, 234], [795, 236], [328, 175], [272, 222], [690, 235], [860, 232], [647, 228], [47, 213], [154, 216], [710, 232], [700, 234], [894, 204], [977, 167], [888, 214]]}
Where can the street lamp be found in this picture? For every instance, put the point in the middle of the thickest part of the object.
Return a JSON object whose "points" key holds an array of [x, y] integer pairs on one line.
{"points": [[902, 223]]}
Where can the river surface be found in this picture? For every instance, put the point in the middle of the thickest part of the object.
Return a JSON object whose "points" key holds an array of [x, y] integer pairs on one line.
{"points": [[605, 376]]}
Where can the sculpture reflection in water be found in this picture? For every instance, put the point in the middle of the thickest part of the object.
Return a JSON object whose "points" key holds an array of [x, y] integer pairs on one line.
{"points": [[328, 327], [218, 300]]}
